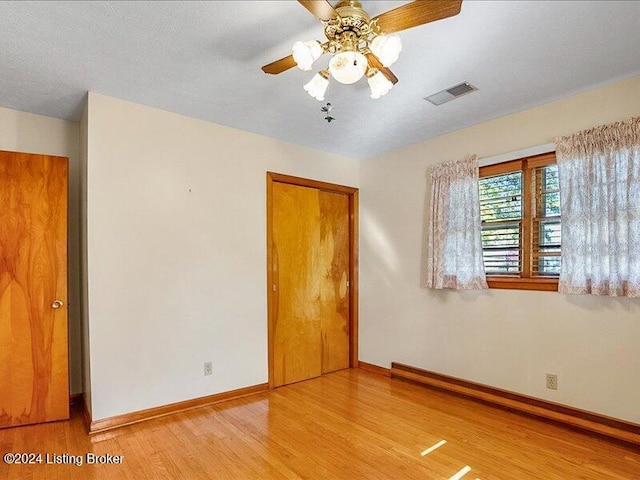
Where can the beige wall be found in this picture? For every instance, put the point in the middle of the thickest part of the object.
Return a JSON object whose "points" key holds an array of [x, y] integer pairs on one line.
{"points": [[26, 132], [84, 264], [508, 339], [177, 252]]}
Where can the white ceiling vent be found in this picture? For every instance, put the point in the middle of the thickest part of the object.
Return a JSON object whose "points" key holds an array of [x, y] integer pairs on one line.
{"points": [[451, 93]]}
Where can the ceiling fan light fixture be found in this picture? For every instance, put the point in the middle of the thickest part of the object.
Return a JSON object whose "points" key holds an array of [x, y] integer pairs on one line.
{"points": [[387, 48], [378, 83], [317, 86], [348, 67], [358, 42], [305, 53]]}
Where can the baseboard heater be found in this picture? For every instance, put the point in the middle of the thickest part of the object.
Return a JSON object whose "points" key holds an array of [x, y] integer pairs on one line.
{"points": [[587, 421]]}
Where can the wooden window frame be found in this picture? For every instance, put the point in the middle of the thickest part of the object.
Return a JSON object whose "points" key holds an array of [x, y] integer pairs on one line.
{"points": [[525, 281]]}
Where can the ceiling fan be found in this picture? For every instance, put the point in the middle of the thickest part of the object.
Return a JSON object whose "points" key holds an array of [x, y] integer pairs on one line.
{"points": [[359, 45]]}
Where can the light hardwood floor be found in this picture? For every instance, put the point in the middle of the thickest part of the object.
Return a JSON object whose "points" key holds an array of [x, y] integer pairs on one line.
{"points": [[350, 424]]}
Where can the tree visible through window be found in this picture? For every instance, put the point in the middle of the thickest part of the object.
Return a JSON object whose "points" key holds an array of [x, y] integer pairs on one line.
{"points": [[501, 215], [520, 212], [546, 222]]}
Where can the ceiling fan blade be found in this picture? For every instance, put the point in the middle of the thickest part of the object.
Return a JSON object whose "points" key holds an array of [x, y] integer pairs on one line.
{"points": [[417, 13], [374, 62], [320, 9], [279, 66]]}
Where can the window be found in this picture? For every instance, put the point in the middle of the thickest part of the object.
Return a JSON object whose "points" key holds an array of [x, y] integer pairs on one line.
{"points": [[520, 213]]}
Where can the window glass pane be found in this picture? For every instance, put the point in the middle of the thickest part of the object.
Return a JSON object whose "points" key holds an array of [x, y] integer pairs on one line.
{"points": [[547, 230], [501, 249], [550, 178], [549, 266], [500, 205], [501, 197], [551, 204], [550, 233], [505, 262], [549, 191]]}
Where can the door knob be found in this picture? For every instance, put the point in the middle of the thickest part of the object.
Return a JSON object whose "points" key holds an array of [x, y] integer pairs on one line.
{"points": [[57, 304]]}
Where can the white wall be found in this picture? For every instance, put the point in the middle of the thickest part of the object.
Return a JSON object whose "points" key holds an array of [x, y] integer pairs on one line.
{"points": [[177, 254], [504, 338], [26, 132]]}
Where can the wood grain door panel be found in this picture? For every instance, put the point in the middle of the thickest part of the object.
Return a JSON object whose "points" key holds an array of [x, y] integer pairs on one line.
{"points": [[296, 232], [334, 271], [310, 274], [34, 385]]}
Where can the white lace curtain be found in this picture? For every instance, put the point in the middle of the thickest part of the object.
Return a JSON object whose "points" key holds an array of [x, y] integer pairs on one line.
{"points": [[599, 171], [454, 256]]}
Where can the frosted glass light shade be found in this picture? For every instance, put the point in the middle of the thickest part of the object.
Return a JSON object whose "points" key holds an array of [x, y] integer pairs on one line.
{"points": [[348, 67], [318, 85], [379, 85], [387, 48], [305, 53]]}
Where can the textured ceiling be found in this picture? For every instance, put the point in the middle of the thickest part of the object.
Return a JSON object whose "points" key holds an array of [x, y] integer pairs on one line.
{"points": [[203, 59]]}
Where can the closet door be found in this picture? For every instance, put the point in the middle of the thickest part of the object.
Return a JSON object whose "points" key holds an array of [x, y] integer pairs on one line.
{"points": [[310, 262], [34, 385], [334, 280]]}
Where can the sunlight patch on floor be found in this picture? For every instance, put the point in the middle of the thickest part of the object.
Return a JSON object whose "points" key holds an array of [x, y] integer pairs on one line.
{"points": [[456, 476], [431, 449], [461, 473]]}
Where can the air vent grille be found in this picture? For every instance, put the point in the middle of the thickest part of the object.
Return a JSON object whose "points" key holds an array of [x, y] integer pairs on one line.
{"points": [[451, 93], [460, 89]]}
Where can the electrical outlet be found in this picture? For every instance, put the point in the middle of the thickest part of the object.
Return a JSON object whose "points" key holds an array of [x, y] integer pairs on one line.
{"points": [[552, 381], [208, 368]]}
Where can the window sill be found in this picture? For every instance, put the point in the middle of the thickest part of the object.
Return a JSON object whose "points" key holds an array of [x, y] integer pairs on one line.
{"points": [[514, 283]]}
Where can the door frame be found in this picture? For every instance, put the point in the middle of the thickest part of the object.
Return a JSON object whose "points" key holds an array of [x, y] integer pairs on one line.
{"points": [[352, 194]]}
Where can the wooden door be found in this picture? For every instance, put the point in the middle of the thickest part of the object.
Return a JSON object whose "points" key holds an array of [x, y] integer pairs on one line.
{"points": [[333, 259], [34, 385], [310, 269]]}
